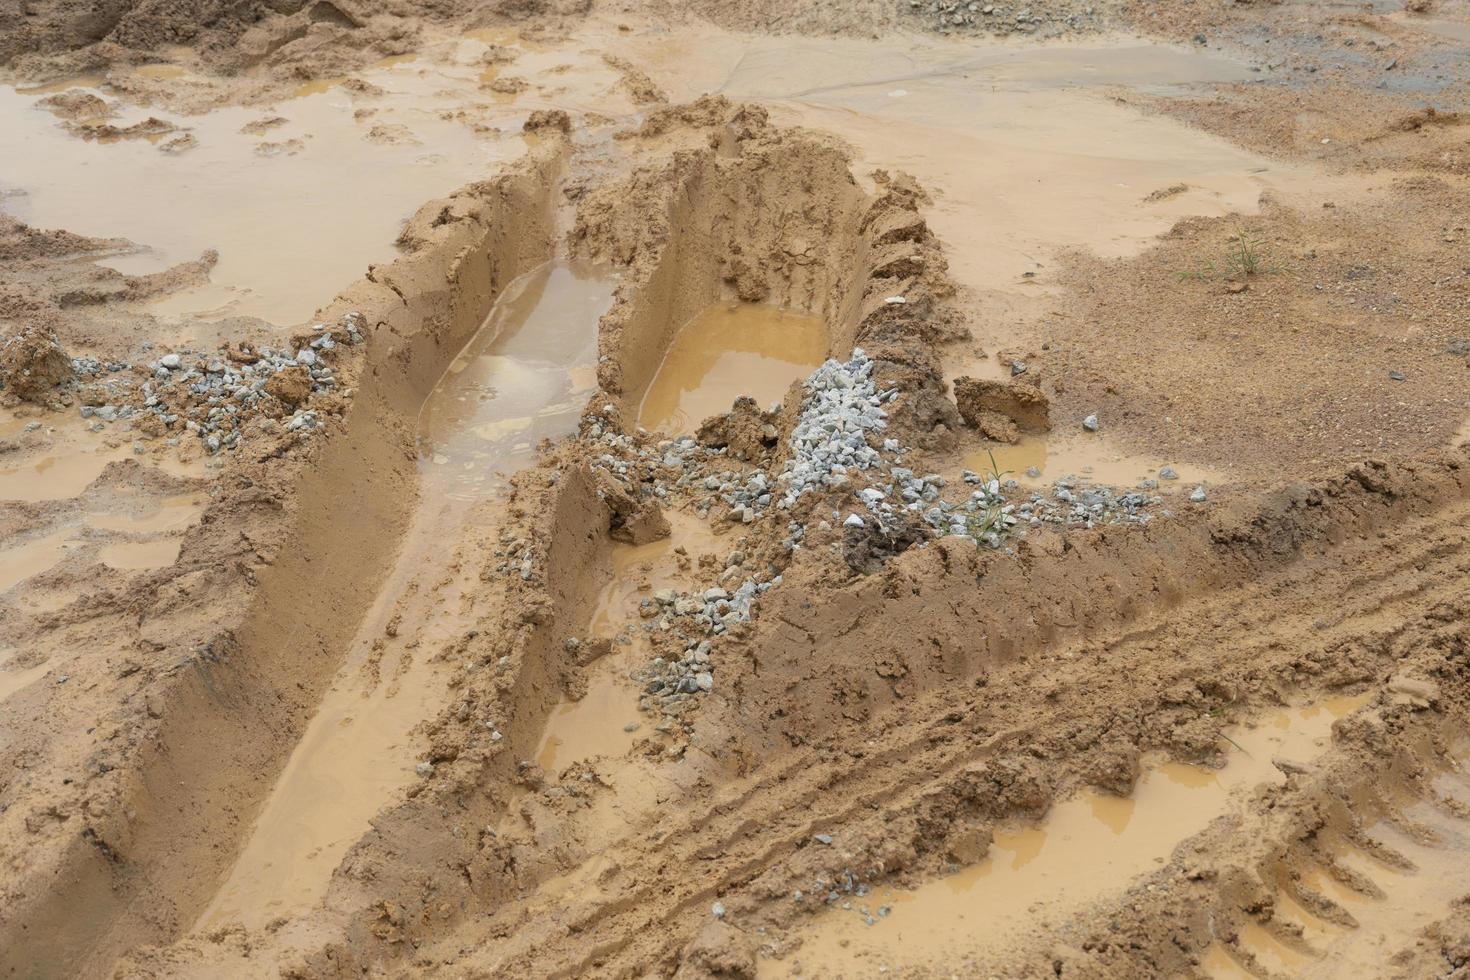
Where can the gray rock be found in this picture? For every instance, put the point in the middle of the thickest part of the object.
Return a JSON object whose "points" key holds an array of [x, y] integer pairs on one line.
{"points": [[1090, 423], [1197, 495]]}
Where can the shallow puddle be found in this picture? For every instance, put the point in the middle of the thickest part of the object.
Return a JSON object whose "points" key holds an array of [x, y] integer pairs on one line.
{"points": [[526, 376], [20, 562], [55, 476], [599, 723], [131, 555], [172, 514], [1088, 849], [285, 210], [1450, 30], [728, 351], [1040, 460]]}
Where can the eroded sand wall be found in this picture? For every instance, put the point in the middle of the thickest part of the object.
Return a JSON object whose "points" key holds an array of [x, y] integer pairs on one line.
{"points": [[779, 225]]}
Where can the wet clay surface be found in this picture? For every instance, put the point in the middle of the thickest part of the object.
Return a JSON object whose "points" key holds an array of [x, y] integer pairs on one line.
{"points": [[498, 644], [1085, 849]]}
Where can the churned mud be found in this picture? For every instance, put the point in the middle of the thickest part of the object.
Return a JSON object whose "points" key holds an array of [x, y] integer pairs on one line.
{"points": [[734, 490]]}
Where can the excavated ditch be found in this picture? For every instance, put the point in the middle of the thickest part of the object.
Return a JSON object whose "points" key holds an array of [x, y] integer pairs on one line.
{"points": [[236, 711]]}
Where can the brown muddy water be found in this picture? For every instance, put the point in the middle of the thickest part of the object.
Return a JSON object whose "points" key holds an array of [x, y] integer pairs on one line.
{"points": [[1087, 849], [1042, 459], [296, 211], [727, 351], [526, 376]]}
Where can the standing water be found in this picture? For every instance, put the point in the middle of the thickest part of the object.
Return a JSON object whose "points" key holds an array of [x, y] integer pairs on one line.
{"points": [[523, 378], [728, 351]]}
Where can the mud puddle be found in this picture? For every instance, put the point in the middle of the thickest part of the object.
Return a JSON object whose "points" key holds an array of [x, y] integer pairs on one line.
{"points": [[171, 514], [727, 351], [21, 561], [1410, 899], [1088, 849], [1449, 30], [1021, 150], [1040, 460], [286, 207], [524, 377]]}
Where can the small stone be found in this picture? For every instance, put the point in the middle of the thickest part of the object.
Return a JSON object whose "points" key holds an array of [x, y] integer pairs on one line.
{"points": [[1197, 495], [823, 839], [1018, 367], [1167, 473], [1090, 423], [170, 361], [853, 521], [1395, 375], [424, 769], [717, 910]]}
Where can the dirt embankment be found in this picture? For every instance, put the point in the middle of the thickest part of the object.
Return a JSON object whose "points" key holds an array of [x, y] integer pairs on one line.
{"points": [[230, 648]]}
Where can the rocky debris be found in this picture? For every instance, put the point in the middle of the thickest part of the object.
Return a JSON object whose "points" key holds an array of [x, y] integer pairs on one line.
{"points": [[843, 406], [507, 85], [32, 364], [640, 88], [998, 427], [76, 105], [1090, 423], [983, 17], [94, 130], [1024, 404], [213, 394], [837, 453]]}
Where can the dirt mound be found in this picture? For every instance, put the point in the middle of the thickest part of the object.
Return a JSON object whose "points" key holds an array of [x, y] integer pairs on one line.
{"points": [[32, 364]]}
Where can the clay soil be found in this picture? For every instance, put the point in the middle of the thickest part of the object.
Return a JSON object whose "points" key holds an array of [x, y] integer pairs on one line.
{"points": [[296, 680]]}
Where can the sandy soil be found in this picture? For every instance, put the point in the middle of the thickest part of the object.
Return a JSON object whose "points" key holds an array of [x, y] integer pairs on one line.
{"points": [[427, 549]]}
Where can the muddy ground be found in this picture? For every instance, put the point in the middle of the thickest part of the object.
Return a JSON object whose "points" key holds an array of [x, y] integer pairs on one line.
{"points": [[734, 490]]}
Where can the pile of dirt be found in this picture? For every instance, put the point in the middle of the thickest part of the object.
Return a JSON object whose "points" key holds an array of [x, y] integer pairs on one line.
{"points": [[32, 364]]}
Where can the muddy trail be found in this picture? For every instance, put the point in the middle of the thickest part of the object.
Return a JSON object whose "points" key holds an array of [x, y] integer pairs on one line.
{"points": [[742, 492]]}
